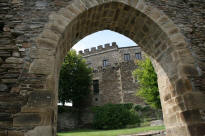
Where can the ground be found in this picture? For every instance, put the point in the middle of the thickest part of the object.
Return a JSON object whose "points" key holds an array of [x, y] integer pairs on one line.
{"points": [[110, 132]]}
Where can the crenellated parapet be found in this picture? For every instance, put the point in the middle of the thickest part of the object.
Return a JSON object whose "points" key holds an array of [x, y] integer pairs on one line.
{"points": [[99, 48]]}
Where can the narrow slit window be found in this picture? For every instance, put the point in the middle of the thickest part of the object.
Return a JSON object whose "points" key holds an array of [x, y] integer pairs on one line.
{"points": [[104, 63], [96, 86]]}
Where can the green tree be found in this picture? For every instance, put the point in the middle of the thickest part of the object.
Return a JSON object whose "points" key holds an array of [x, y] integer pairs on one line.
{"points": [[75, 80], [147, 79]]}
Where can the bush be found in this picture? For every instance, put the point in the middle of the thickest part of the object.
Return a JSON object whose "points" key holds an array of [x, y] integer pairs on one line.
{"points": [[114, 116], [147, 113]]}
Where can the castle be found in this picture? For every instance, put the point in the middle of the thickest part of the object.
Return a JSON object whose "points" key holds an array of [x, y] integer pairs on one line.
{"points": [[112, 73]]}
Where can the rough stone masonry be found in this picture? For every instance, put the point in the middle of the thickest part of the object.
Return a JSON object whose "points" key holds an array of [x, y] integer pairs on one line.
{"points": [[112, 66], [35, 36]]}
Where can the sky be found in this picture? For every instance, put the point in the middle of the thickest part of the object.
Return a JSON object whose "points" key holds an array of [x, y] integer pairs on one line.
{"points": [[101, 38]]}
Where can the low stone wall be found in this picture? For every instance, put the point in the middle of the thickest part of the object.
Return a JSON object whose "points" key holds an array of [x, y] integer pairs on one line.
{"points": [[68, 120], [157, 123]]}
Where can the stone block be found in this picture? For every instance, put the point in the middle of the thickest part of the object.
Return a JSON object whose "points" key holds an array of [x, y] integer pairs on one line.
{"points": [[42, 66], [197, 129], [194, 100], [15, 54], [3, 133], [26, 119], [3, 87], [190, 116], [15, 89], [41, 53], [6, 124], [15, 133], [9, 80], [179, 107], [47, 43], [167, 97], [14, 60], [157, 123], [5, 117], [50, 34], [182, 86], [86, 51], [171, 120], [93, 49], [177, 131], [40, 99], [100, 47], [188, 70], [40, 131]]}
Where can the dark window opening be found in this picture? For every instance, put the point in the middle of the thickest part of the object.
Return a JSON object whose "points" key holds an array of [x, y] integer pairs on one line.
{"points": [[138, 55], [127, 57], [96, 99], [104, 63], [2, 26], [76, 36], [96, 86]]}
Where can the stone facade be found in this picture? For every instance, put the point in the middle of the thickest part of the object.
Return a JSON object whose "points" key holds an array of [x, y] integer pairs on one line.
{"points": [[112, 69], [36, 35]]}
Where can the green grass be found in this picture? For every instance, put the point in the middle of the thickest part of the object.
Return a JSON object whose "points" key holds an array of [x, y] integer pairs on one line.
{"points": [[110, 132]]}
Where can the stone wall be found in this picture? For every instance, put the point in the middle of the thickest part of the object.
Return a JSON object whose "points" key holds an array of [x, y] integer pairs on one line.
{"points": [[68, 119], [41, 32], [95, 57], [116, 83]]}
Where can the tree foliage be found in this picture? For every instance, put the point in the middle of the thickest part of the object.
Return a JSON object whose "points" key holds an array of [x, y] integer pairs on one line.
{"points": [[75, 80], [147, 79]]}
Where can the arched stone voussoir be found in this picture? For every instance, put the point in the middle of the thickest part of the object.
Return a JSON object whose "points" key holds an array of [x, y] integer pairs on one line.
{"points": [[46, 43], [89, 3], [37, 53], [42, 66], [120, 1], [132, 3], [76, 7], [57, 23], [59, 18], [168, 26], [47, 33], [188, 70]]}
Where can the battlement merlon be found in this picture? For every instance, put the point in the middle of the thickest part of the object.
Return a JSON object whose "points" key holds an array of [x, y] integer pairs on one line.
{"points": [[99, 48]]}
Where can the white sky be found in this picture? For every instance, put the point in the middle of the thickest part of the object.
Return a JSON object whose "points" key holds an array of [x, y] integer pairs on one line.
{"points": [[101, 38]]}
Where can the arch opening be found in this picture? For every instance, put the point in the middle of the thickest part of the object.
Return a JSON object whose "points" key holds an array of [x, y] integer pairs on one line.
{"points": [[113, 64]]}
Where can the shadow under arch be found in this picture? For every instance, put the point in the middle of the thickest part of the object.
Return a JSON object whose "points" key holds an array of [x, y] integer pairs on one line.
{"points": [[155, 33]]}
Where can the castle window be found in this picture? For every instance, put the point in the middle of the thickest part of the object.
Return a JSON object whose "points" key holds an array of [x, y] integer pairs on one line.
{"points": [[96, 86], [127, 57], [138, 55], [104, 63]]}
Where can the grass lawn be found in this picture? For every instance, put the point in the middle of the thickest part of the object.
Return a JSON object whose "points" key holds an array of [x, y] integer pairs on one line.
{"points": [[110, 132]]}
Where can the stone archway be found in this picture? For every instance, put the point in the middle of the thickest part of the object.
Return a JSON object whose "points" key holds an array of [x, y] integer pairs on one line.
{"points": [[156, 34]]}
